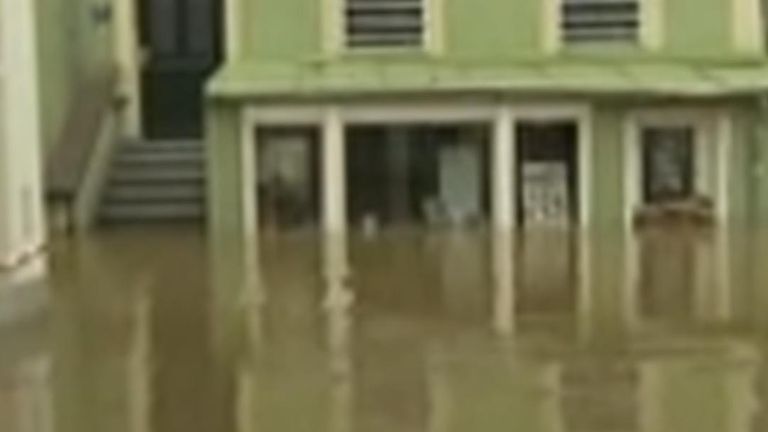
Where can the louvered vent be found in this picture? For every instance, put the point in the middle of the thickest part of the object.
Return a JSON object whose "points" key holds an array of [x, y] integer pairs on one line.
{"points": [[600, 20], [385, 23]]}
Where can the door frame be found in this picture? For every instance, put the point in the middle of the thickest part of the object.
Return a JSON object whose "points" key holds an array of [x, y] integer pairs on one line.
{"points": [[581, 117], [571, 162]]}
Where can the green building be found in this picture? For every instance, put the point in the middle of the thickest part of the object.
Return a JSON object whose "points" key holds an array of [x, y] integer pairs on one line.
{"points": [[352, 114], [587, 113]]}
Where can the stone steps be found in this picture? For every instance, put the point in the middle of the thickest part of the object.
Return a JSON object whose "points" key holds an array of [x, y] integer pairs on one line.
{"points": [[156, 181]]}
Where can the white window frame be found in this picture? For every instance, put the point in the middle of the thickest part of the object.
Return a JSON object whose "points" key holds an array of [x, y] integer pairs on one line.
{"points": [[335, 34], [711, 147], [747, 27]]}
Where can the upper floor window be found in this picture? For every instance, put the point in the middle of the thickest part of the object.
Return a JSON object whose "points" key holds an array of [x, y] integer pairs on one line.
{"points": [[600, 21], [385, 23]]}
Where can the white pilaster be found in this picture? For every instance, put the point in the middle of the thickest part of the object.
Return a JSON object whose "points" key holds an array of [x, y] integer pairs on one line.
{"points": [[334, 191], [503, 169], [21, 203], [231, 25], [128, 57]]}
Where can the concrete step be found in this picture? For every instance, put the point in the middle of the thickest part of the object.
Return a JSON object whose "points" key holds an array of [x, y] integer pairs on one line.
{"points": [[175, 191], [146, 175], [160, 158], [135, 212], [156, 147], [156, 181]]}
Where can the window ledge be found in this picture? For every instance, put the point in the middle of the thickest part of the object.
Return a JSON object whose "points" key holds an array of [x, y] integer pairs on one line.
{"points": [[697, 211]]}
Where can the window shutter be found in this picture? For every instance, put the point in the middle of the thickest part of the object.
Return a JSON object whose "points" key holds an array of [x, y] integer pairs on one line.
{"points": [[384, 23], [600, 20]]}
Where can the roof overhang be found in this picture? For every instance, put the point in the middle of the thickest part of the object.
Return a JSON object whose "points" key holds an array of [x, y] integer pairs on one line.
{"points": [[349, 79]]}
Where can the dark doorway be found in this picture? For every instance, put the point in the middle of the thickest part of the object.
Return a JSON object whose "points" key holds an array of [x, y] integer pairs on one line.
{"points": [[547, 172], [181, 42]]}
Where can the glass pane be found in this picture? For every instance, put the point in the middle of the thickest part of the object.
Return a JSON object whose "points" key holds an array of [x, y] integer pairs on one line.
{"points": [[667, 164]]}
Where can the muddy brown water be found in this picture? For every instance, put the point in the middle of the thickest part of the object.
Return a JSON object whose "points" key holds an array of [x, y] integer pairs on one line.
{"points": [[426, 332]]}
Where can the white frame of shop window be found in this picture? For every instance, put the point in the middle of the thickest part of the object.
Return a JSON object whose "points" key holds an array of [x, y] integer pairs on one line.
{"points": [[712, 142]]}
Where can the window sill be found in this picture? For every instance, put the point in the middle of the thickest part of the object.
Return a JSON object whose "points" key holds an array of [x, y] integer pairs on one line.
{"points": [[696, 211]]}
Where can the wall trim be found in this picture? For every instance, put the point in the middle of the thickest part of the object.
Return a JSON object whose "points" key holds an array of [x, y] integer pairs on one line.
{"points": [[232, 35], [746, 26], [652, 24]]}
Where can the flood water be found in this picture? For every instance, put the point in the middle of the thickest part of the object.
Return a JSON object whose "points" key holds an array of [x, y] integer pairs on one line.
{"points": [[418, 332]]}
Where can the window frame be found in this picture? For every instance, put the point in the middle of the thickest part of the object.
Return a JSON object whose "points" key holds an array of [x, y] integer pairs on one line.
{"points": [[650, 33], [336, 40]]}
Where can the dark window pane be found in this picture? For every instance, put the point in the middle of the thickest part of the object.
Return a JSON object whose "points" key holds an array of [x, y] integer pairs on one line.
{"points": [[668, 170]]}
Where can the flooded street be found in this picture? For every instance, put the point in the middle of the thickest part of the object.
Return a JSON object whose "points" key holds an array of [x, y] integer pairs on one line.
{"points": [[418, 332]]}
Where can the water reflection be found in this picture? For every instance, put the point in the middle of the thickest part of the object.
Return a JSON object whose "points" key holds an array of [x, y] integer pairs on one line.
{"points": [[407, 331]]}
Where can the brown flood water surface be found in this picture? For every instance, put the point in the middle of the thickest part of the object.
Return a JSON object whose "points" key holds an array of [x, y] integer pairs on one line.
{"points": [[426, 332]]}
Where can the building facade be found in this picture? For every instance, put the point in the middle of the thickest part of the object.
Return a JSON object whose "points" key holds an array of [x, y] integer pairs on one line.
{"points": [[578, 113]]}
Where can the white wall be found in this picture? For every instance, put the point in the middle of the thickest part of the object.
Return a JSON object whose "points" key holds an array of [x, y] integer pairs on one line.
{"points": [[21, 196]]}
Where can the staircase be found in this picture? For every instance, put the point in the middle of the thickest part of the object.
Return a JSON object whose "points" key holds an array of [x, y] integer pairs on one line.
{"points": [[159, 181]]}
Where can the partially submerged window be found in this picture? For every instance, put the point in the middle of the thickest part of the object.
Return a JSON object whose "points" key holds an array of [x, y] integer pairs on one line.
{"points": [[385, 23], [674, 185], [600, 21], [668, 164]]}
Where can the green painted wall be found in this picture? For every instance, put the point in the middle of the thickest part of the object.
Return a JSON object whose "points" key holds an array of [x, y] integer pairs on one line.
{"points": [[72, 48], [285, 30], [497, 29], [698, 28]]}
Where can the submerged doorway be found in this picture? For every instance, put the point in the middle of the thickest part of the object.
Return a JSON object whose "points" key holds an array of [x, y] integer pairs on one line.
{"points": [[181, 46], [288, 177], [547, 173]]}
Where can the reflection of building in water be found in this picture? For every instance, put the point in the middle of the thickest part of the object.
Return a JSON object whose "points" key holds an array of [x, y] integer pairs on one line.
{"points": [[600, 394], [707, 391], [365, 349], [26, 401], [463, 275], [682, 275], [650, 388], [391, 389], [548, 276]]}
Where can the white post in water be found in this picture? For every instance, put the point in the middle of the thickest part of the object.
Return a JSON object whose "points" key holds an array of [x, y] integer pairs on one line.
{"points": [[22, 232], [504, 304], [502, 171], [334, 175]]}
